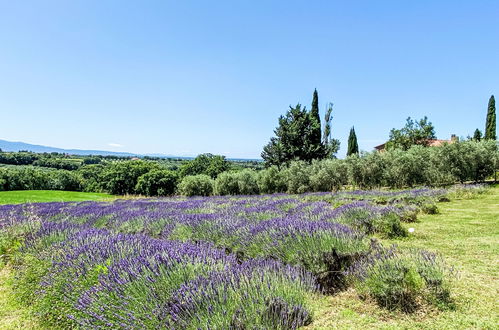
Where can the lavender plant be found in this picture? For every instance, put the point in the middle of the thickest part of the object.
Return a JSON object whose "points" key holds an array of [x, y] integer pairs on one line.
{"points": [[402, 279]]}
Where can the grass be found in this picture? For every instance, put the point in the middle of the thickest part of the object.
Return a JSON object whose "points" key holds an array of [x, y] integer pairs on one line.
{"points": [[40, 196], [13, 314], [466, 233]]}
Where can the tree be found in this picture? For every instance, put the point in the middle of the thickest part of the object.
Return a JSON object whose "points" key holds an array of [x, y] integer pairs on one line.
{"points": [[157, 183], [121, 177], [315, 121], [273, 153], [413, 133], [353, 147], [490, 123], [332, 145], [208, 164], [477, 136], [295, 139]]}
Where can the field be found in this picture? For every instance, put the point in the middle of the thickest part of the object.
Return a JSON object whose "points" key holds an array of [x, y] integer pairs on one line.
{"points": [[273, 261], [40, 196]]}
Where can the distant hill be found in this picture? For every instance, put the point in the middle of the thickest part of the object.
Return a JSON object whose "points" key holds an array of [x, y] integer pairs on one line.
{"points": [[17, 146]]}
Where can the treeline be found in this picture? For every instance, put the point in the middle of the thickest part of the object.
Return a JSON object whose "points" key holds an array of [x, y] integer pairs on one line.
{"points": [[419, 165], [146, 177], [211, 174]]}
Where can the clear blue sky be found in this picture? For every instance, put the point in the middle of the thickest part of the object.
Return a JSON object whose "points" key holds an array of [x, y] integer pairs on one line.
{"points": [[188, 77]]}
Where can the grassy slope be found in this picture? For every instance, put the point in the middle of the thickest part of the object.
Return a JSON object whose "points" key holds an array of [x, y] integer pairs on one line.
{"points": [[466, 233], [39, 196]]}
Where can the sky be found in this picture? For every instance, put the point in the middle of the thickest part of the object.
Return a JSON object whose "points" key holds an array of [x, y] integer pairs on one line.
{"points": [[190, 77]]}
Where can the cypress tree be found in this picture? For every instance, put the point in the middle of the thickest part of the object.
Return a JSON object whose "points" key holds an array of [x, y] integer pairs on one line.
{"points": [[314, 140], [353, 147], [490, 123], [314, 112]]}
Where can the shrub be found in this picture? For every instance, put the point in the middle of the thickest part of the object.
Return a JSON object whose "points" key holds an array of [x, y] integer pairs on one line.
{"points": [[371, 219], [366, 170], [157, 183], [328, 175], [196, 185], [402, 280], [247, 182], [227, 184], [298, 177], [271, 180]]}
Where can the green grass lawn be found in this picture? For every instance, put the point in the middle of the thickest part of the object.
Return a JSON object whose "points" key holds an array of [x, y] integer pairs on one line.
{"points": [[466, 233], [40, 196]]}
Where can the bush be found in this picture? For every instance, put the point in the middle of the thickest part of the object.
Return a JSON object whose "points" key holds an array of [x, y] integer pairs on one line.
{"points": [[366, 170], [298, 177], [328, 175], [157, 183], [402, 280], [196, 185], [237, 183], [247, 182], [227, 184], [271, 180]]}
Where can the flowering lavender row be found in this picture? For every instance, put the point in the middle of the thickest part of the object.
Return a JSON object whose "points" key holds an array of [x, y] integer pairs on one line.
{"points": [[91, 278], [283, 227]]}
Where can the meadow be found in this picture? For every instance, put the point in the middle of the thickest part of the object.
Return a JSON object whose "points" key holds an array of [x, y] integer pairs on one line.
{"points": [[40, 196], [319, 260]]}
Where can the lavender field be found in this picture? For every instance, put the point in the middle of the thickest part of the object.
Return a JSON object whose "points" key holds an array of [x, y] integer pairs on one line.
{"points": [[231, 262]]}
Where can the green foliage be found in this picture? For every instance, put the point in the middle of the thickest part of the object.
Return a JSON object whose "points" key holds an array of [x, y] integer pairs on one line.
{"points": [[298, 137], [328, 175], [477, 135], [121, 177], [92, 177], [157, 183], [271, 180], [196, 185], [404, 279], [32, 178], [366, 170], [470, 160], [490, 124], [298, 177], [353, 147], [315, 121], [237, 183], [413, 133], [248, 182], [227, 184], [208, 164]]}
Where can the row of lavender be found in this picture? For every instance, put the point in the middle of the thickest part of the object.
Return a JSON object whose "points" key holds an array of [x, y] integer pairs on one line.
{"points": [[219, 262], [79, 276]]}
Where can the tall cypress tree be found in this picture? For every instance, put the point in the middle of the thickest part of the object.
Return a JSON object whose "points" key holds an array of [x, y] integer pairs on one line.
{"points": [[353, 147], [490, 123], [313, 141], [315, 133], [314, 112]]}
